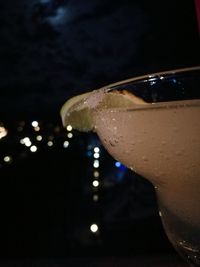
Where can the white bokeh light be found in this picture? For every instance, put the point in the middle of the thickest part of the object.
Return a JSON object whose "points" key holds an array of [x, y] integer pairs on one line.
{"points": [[65, 144], [96, 149], [69, 135], [69, 128], [96, 164], [49, 143], [7, 159], [34, 123], [94, 228], [95, 183], [95, 197], [96, 174], [96, 155], [33, 148], [37, 128], [39, 138], [26, 141]]}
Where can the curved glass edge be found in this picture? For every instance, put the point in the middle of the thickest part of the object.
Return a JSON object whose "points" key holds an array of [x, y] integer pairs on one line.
{"points": [[165, 86], [156, 75], [163, 105]]}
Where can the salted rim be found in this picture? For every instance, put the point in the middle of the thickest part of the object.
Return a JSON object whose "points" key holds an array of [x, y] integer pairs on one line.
{"points": [[146, 78]]}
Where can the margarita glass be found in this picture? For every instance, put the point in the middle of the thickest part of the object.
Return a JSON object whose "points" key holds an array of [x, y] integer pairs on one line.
{"points": [[160, 140]]}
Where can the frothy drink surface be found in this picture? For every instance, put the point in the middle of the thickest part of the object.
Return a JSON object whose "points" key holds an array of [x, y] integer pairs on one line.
{"points": [[162, 143]]}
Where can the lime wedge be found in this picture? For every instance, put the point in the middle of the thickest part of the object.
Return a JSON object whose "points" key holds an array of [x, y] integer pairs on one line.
{"points": [[79, 110], [75, 113]]}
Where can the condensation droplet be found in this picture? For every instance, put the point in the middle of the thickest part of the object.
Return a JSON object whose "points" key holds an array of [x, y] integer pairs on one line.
{"points": [[162, 174], [145, 159], [176, 129], [193, 140], [178, 153], [112, 143], [183, 150]]}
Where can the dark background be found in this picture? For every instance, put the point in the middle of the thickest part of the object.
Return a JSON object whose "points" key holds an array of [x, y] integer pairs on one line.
{"points": [[49, 51]]}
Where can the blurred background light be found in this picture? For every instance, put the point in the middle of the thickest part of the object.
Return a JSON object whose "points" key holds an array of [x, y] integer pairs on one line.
{"points": [[34, 124], [95, 183], [69, 135], [69, 128], [33, 148], [96, 163], [50, 143], [3, 132], [96, 174], [7, 158], [39, 138], [94, 228], [66, 144]]}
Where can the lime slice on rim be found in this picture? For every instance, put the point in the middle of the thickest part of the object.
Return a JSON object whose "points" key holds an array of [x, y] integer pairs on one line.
{"points": [[79, 110]]}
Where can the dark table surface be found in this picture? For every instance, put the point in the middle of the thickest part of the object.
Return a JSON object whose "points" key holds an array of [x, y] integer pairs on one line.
{"points": [[166, 260]]}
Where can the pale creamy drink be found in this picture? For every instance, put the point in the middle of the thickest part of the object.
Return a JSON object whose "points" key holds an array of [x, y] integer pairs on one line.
{"points": [[160, 140], [162, 143]]}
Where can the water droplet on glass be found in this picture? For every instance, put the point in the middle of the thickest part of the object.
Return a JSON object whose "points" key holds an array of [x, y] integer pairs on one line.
{"points": [[112, 143], [178, 153], [145, 159], [176, 129]]}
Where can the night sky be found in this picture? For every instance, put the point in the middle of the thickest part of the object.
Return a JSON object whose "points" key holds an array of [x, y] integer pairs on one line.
{"points": [[51, 50]]}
